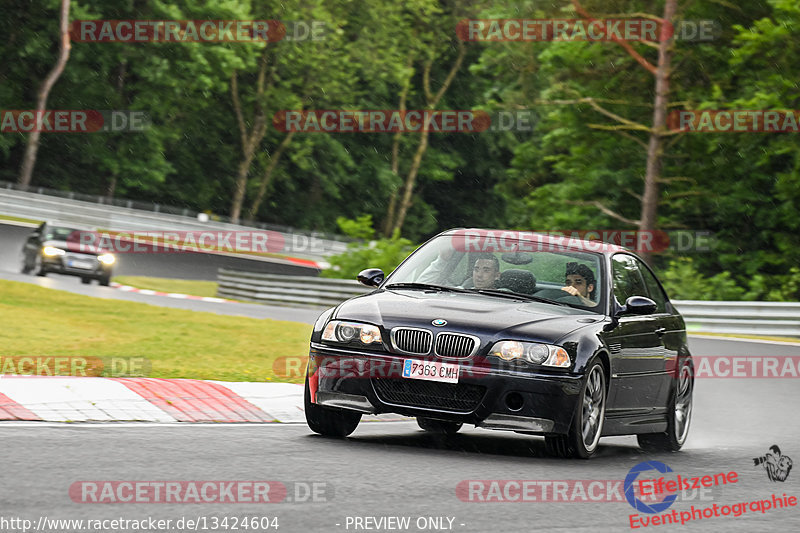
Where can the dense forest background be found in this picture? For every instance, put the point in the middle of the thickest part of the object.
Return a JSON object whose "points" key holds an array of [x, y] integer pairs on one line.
{"points": [[212, 147]]}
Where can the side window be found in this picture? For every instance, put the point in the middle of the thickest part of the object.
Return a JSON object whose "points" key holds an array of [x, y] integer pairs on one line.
{"points": [[627, 278], [655, 290]]}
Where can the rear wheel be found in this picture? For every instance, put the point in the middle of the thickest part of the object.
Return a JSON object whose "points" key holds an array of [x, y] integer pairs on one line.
{"points": [[680, 416], [438, 426], [587, 423], [329, 421]]}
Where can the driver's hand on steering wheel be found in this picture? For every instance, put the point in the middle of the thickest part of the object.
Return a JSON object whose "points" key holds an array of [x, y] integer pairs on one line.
{"points": [[572, 290]]}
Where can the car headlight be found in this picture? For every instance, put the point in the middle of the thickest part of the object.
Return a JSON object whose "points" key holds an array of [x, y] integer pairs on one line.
{"points": [[532, 352], [106, 259], [339, 331], [51, 251]]}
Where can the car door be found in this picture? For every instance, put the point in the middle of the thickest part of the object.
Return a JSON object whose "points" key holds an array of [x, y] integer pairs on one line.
{"points": [[671, 330], [637, 351]]}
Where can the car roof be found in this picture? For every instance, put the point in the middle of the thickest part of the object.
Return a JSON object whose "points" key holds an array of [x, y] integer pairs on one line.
{"points": [[561, 240]]}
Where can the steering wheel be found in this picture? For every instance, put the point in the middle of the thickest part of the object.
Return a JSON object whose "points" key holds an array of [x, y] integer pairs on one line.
{"points": [[558, 295], [570, 299]]}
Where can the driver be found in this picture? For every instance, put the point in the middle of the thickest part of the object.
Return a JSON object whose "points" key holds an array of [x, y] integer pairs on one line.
{"points": [[485, 271], [580, 282]]}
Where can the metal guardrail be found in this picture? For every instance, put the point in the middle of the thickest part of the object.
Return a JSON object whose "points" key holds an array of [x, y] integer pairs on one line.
{"points": [[749, 318], [87, 211], [293, 291]]}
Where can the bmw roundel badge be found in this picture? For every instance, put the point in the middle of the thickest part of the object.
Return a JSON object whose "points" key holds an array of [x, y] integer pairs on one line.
{"points": [[439, 322]]}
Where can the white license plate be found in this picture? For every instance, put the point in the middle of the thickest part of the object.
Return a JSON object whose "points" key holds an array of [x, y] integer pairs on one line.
{"points": [[430, 370], [80, 264]]}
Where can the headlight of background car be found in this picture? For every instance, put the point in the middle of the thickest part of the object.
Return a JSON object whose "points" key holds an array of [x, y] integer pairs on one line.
{"points": [[532, 352], [338, 331], [50, 251], [106, 259]]}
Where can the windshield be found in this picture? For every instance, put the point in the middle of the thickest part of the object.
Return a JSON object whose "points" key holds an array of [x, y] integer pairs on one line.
{"points": [[518, 268], [58, 234]]}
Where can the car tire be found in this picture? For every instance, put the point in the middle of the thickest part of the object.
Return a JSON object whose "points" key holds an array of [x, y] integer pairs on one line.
{"points": [[24, 268], [105, 281], [38, 266], [438, 426], [680, 408], [589, 417], [329, 421], [86, 281]]}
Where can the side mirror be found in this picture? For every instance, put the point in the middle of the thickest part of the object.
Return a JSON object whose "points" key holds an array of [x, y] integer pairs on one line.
{"points": [[638, 305], [372, 277]]}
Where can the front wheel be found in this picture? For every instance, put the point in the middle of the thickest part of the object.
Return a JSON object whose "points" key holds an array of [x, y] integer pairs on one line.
{"points": [[680, 416], [329, 421], [105, 281], [24, 267], [438, 426], [587, 423], [38, 266]]}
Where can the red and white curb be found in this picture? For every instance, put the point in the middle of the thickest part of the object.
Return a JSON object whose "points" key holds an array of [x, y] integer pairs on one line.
{"points": [[149, 292], [70, 399]]}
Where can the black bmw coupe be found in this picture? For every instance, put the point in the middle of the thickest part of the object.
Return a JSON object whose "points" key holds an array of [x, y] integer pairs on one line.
{"points": [[569, 339]]}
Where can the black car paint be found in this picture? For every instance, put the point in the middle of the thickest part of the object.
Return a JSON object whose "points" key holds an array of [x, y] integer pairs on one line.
{"points": [[639, 353]]}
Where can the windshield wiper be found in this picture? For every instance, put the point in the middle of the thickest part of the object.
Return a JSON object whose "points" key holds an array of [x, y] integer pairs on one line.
{"points": [[424, 286], [519, 296]]}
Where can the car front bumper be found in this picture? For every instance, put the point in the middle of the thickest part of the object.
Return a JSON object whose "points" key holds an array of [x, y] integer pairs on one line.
{"points": [[65, 265], [485, 395]]}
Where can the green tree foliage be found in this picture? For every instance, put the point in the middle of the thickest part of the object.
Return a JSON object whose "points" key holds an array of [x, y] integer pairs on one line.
{"points": [[384, 253], [566, 173]]}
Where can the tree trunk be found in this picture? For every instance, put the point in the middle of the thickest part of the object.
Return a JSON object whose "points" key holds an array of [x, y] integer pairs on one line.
{"points": [[29, 159], [433, 101], [250, 139], [112, 187], [388, 222], [647, 220], [267, 177], [411, 179]]}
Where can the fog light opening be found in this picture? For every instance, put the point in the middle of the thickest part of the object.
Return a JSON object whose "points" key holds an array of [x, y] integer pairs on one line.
{"points": [[514, 401]]}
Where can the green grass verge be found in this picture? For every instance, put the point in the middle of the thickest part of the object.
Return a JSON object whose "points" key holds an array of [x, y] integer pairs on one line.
{"points": [[20, 219], [182, 286], [177, 343]]}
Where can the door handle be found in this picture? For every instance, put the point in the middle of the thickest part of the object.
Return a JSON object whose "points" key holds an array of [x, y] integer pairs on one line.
{"points": [[661, 331]]}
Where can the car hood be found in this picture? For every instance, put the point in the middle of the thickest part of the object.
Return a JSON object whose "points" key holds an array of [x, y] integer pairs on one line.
{"points": [[486, 316], [75, 247]]}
